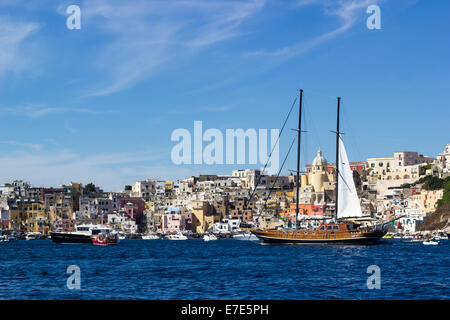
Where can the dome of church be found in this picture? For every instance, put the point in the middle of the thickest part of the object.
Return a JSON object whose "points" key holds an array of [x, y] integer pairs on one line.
{"points": [[319, 160]]}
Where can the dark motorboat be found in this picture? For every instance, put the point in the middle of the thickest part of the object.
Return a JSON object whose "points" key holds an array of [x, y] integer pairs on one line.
{"points": [[82, 234]]}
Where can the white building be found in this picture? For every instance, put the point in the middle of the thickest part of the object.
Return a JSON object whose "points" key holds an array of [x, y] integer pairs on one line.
{"points": [[145, 189], [227, 226], [443, 159], [120, 221], [411, 221]]}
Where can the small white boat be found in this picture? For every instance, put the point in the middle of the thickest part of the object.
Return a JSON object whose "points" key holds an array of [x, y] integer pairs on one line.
{"points": [[441, 236], [150, 237], [209, 237], [8, 238], [245, 236], [33, 236], [431, 242], [177, 236]]}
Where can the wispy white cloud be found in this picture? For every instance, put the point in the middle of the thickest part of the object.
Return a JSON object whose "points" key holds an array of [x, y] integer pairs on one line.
{"points": [[37, 111], [206, 109], [302, 3], [148, 34], [32, 146], [347, 12], [13, 35]]}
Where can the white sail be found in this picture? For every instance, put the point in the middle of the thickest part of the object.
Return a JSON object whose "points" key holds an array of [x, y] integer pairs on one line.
{"points": [[348, 202]]}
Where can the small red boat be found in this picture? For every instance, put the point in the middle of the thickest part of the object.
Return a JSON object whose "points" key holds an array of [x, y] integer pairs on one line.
{"points": [[105, 239]]}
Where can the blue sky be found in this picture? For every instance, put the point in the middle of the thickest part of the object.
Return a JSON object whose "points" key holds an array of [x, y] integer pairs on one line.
{"points": [[99, 104]]}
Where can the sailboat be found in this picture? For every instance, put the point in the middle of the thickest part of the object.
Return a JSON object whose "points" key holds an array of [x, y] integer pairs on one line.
{"points": [[345, 226]]}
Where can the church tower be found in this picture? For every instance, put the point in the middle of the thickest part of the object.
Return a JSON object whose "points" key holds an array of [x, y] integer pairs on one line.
{"points": [[319, 174]]}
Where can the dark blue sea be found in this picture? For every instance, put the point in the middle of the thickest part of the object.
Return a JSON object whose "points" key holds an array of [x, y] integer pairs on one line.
{"points": [[223, 269]]}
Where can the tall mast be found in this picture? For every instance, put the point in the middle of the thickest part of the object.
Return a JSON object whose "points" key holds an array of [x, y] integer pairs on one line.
{"points": [[337, 154], [298, 155]]}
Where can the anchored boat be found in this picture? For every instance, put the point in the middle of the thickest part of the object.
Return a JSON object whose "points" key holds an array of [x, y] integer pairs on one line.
{"points": [[210, 237], [346, 227], [105, 239], [150, 236], [82, 233], [176, 236]]}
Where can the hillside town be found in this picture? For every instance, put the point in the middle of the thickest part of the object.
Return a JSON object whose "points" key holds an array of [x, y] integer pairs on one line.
{"points": [[401, 186]]}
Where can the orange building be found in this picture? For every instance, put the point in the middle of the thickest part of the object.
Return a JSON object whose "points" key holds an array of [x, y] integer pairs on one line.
{"points": [[308, 209]]}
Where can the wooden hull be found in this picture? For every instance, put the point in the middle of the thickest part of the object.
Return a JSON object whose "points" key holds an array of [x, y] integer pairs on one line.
{"points": [[310, 237]]}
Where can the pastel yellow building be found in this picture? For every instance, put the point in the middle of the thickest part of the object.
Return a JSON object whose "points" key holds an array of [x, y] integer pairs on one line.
{"points": [[168, 185], [380, 165], [426, 200], [61, 207], [202, 216], [319, 177], [30, 217]]}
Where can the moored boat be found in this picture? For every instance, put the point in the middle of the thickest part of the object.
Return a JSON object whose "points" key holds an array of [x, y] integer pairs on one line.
{"points": [[248, 236], [34, 236], [82, 233], [176, 236], [441, 236], [105, 239], [150, 237], [430, 240], [209, 237]]}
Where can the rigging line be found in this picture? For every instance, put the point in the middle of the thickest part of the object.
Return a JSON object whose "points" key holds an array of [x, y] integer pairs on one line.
{"points": [[270, 155], [279, 172]]}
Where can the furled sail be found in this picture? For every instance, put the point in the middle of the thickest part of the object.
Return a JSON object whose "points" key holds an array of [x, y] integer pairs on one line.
{"points": [[348, 203]]}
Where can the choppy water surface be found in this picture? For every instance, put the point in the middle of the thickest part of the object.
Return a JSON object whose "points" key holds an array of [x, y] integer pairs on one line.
{"points": [[224, 269]]}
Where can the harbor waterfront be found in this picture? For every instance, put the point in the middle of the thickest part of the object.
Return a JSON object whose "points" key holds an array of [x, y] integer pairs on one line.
{"points": [[223, 269]]}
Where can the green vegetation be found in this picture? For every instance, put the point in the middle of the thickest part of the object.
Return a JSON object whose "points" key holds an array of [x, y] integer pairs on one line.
{"points": [[433, 183], [446, 197], [429, 183], [89, 188]]}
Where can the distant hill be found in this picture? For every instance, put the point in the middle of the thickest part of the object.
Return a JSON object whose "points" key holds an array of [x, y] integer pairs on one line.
{"points": [[437, 220]]}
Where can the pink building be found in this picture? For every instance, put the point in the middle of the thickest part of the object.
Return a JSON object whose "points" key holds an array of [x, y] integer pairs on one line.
{"points": [[173, 223], [130, 209]]}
